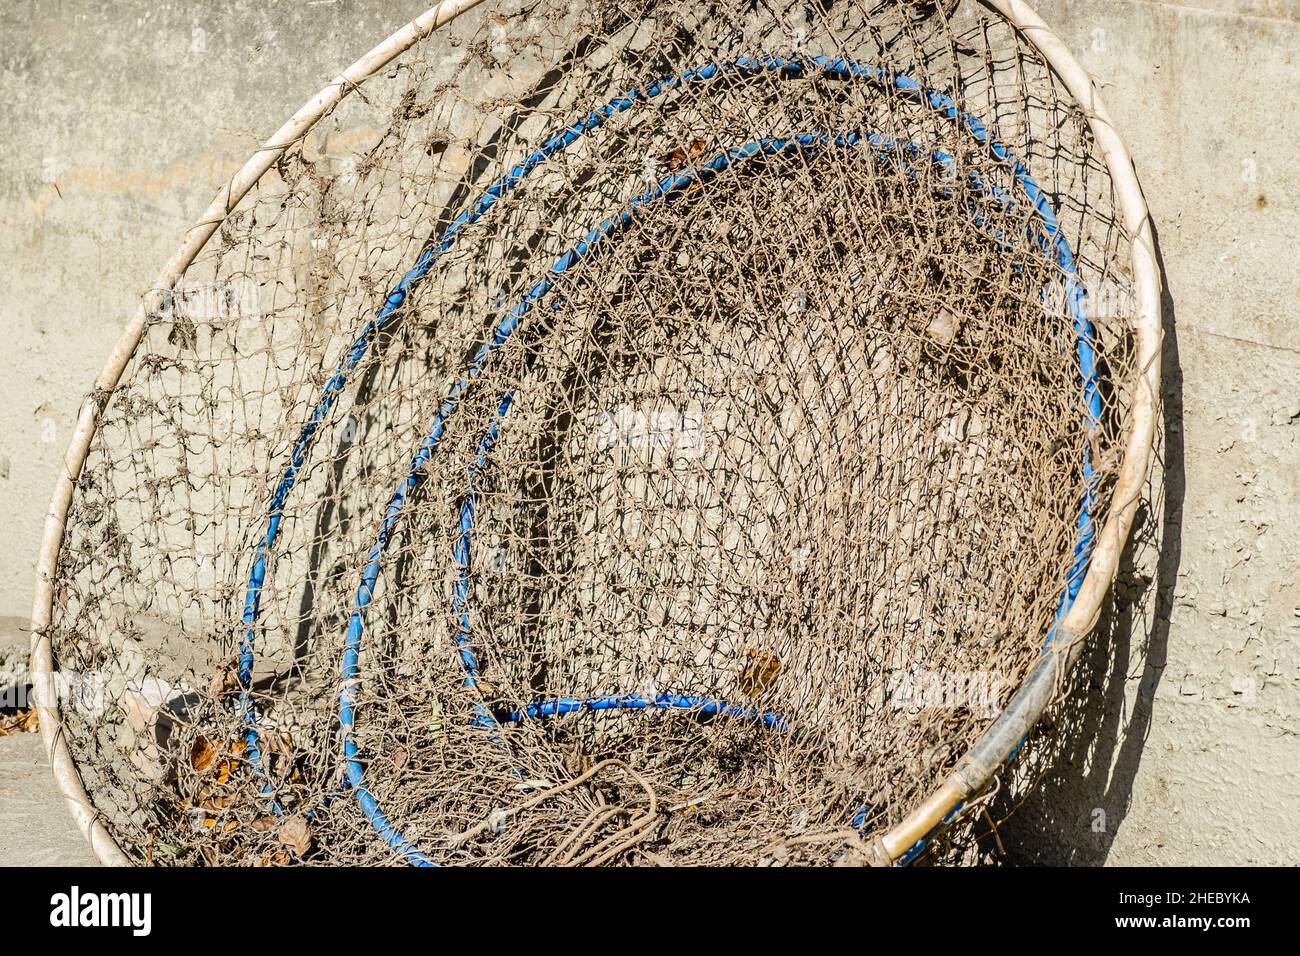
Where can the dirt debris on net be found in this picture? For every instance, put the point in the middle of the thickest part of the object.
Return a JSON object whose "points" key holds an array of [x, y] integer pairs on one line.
{"points": [[737, 531]]}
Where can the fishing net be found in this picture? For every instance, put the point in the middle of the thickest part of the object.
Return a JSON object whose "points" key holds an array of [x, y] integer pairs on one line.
{"points": [[632, 433]]}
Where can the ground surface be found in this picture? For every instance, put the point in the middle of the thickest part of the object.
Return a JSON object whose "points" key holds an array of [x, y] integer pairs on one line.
{"points": [[35, 827]]}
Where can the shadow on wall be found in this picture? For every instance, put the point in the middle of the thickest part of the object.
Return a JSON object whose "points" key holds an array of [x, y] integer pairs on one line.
{"points": [[1095, 737]]}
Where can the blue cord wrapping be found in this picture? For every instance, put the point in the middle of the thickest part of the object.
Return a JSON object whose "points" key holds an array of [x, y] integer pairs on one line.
{"points": [[1050, 240]]}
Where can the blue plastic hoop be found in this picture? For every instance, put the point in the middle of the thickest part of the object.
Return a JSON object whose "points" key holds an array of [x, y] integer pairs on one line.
{"points": [[1048, 236]]}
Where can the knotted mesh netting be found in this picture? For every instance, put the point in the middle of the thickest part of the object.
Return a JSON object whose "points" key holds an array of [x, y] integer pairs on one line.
{"points": [[631, 433]]}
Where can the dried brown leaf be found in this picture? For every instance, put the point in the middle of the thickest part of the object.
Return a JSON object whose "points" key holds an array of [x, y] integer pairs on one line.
{"points": [[202, 753], [760, 672], [682, 157], [295, 835], [224, 680], [23, 722]]}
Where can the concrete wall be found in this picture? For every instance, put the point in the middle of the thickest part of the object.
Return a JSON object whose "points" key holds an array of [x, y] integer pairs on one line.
{"points": [[119, 119], [1195, 748]]}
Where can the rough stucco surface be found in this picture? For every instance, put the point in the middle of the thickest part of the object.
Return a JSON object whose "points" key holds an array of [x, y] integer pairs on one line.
{"points": [[120, 119], [1196, 755]]}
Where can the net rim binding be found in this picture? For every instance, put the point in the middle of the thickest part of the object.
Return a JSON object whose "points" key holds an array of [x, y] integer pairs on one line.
{"points": [[998, 743]]}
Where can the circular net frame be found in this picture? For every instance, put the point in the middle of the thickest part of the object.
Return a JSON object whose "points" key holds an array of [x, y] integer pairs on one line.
{"points": [[655, 432]]}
